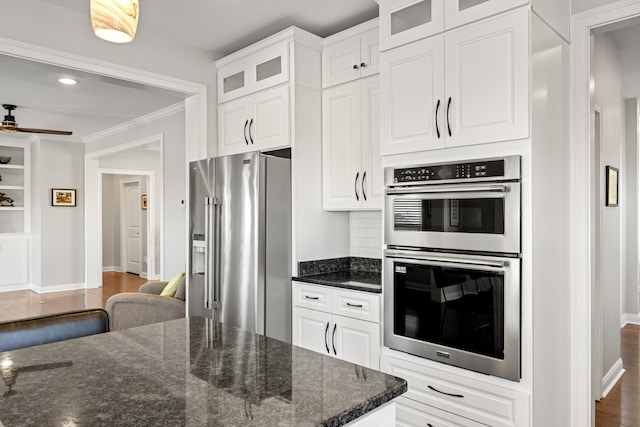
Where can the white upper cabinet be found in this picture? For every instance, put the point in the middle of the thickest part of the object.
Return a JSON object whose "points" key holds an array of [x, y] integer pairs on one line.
{"points": [[256, 71], [467, 86], [255, 122], [352, 165], [351, 54], [405, 21]]}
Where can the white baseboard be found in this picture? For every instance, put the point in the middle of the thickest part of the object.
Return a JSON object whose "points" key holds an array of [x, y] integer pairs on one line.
{"points": [[21, 287], [58, 288], [627, 318], [612, 377], [112, 268], [144, 275]]}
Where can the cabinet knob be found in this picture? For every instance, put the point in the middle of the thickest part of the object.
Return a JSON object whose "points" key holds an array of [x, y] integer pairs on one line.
{"points": [[362, 64], [355, 67]]}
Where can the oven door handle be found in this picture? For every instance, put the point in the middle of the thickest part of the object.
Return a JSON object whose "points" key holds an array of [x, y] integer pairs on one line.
{"points": [[497, 188], [494, 265]]}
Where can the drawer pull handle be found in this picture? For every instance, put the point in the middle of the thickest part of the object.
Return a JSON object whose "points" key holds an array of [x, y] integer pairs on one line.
{"points": [[355, 305], [448, 394], [313, 298]]}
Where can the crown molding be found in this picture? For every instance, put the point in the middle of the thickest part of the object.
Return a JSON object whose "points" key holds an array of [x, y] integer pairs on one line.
{"points": [[148, 118]]}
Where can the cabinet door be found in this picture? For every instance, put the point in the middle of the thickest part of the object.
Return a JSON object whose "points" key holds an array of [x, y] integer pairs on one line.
{"points": [[356, 341], [406, 21], [233, 121], [372, 171], [412, 97], [458, 12], [13, 261], [311, 329], [269, 123], [370, 53], [341, 62], [341, 147], [487, 81]]}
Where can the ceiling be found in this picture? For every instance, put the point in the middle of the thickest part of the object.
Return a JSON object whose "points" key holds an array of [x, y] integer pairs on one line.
{"points": [[217, 26]]}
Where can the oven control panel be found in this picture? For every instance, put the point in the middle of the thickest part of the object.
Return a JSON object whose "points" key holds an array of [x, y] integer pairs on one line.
{"points": [[450, 171]]}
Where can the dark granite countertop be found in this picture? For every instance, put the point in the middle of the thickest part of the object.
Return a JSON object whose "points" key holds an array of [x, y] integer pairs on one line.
{"points": [[361, 274], [186, 372]]}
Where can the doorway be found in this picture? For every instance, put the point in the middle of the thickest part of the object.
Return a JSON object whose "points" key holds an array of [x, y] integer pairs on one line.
{"points": [[131, 226]]}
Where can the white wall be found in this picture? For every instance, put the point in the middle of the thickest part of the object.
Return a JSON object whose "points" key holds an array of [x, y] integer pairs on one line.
{"points": [[549, 207], [58, 244], [630, 306], [109, 262], [608, 95], [173, 188], [63, 28], [365, 234]]}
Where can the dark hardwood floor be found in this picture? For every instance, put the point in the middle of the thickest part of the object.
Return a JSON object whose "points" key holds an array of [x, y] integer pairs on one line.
{"points": [[621, 407], [22, 304]]}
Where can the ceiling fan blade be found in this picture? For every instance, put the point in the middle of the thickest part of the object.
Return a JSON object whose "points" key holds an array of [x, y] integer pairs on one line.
{"points": [[49, 131]]}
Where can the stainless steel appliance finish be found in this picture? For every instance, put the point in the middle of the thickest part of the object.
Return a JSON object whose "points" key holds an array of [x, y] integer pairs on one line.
{"points": [[471, 206], [423, 329], [240, 231]]}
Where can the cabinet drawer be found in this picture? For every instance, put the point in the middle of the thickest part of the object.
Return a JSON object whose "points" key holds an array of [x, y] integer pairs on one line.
{"points": [[313, 297], [481, 401], [358, 305], [415, 414]]}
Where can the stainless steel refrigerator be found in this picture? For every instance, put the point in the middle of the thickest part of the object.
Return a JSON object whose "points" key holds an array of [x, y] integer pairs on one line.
{"points": [[240, 238]]}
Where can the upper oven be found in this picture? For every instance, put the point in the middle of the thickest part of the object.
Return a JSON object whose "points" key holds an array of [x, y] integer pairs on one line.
{"points": [[464, 206]]}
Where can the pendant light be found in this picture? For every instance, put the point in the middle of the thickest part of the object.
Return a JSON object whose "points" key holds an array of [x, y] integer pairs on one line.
{"points": [[114, 20]]}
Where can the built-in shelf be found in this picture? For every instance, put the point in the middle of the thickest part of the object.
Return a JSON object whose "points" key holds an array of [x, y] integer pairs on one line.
{"points": [[11, 187], [9, 166], [15, 183], [11, 208]]}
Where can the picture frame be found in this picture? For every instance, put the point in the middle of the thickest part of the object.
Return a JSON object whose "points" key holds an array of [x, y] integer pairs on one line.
{"points": [[63, 197], [144, 202], [612, 193]]}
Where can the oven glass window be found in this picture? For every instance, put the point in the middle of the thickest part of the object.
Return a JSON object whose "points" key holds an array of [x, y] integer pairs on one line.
{"points": [[450, 215], [454, 307]]}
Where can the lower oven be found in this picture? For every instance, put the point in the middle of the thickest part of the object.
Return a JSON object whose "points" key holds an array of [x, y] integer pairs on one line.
{"points": [[459, 309]]}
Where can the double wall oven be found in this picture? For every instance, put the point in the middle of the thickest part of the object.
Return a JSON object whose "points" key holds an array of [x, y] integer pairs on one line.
{"points": [[452, 263]]}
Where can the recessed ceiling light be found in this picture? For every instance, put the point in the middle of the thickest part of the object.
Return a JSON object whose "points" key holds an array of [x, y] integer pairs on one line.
{"points": [[67, 81]]}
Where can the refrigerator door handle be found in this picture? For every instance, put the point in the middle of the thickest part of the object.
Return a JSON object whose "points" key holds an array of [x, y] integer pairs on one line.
{"points": [[208, 253], [217, 252]]}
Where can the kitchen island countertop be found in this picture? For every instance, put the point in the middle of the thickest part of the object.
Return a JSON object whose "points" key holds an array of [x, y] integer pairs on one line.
{"points": [[186, 372]]}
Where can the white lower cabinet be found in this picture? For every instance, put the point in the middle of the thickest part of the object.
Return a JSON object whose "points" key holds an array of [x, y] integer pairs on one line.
{"points": [[471, 400], [14, 256], [410, 413], [320, 329]]}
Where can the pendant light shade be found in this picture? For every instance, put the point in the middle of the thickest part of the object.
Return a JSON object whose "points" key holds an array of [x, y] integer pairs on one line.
{"points": [[115, 20]]}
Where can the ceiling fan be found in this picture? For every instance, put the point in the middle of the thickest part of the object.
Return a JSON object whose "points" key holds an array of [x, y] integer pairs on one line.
{"points": [[9, 124]]}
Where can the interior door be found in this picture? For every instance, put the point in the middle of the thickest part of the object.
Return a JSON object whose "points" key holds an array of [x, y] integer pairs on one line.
{"points": [[132, 228]]}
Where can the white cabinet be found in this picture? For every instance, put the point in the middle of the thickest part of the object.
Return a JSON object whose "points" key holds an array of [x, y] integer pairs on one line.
{"points": [[253, 72], [353, 335], [468, 86], [14, 255], [14, 186], [468, 395], [405, 21], [350, 55], [414, 414], [352, 165], [255, 122]]}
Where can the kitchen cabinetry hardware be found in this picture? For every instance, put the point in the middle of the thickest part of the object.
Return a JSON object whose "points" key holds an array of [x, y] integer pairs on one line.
{"points": [[313, 298], [364, 195], [362, 65], [355, 67], [448, 121], [250, 137], [459, 396], [355, 186], [246, 122], [333, 339], [437, 127], [326, 344], [355, 305]]}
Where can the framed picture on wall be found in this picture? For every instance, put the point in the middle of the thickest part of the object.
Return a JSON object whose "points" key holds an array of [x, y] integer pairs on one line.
{"points": [[63, 197], [612, 186], [144, 202]]}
